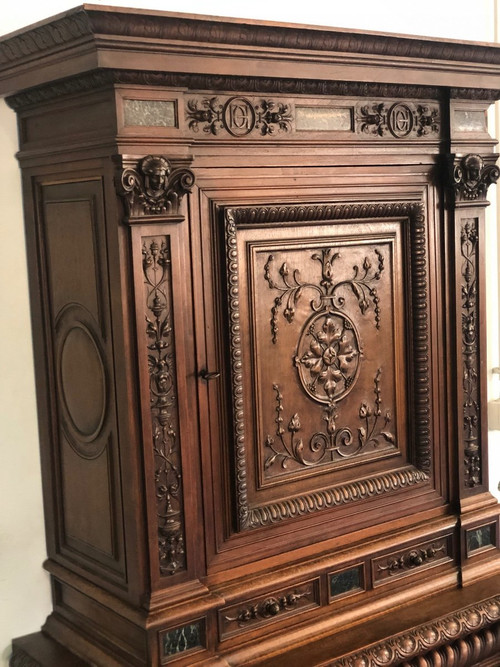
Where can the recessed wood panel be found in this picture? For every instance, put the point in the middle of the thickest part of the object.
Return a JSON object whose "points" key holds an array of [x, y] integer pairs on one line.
{"points": [[320, 317], [85, 433]]}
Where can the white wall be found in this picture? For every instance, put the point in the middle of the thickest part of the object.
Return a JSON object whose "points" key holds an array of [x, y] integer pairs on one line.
{"points": [[24, 588]]}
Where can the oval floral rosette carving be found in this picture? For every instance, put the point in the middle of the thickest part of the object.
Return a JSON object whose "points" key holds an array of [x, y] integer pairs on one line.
{"points": [[328, 356]]}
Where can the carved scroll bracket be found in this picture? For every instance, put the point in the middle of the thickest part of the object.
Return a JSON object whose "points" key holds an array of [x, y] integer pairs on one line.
{"points": [[153, 187], [472, 175]]}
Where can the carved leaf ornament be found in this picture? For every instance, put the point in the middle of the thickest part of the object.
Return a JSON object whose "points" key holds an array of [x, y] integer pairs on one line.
{"points": [[327, 360]]}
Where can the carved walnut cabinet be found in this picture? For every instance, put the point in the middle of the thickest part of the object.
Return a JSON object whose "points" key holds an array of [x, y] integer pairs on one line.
{"points": [[257, 284]]}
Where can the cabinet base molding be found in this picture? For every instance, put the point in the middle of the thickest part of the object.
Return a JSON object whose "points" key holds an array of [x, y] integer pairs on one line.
{"points": [[449, 629]]}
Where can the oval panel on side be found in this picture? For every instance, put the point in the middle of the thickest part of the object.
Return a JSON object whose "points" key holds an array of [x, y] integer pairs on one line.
{"points": [[83, 382]]}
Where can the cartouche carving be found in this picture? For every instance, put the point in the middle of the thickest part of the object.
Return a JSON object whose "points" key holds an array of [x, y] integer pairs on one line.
{"points": [[163, 404], [238, 116], [155, 187], [339, 443], [467, 637], [470, 352], [414, 558], [401, 119], [472, 177]]}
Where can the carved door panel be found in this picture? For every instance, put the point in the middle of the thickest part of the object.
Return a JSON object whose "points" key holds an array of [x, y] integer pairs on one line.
{"points": [[326, 310]]}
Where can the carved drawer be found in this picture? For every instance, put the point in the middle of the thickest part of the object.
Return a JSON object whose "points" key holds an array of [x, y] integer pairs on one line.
{"points": [[238, 618], [415, 557]]}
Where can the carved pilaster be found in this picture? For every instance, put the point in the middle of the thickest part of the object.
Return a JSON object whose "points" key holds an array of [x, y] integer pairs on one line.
{"points": [[470, 177], [470, 352], [154, 186], [163, 403]]}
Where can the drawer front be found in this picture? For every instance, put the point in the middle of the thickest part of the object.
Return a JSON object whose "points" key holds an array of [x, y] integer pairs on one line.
{"points": [[417, 556], [246, 615]]}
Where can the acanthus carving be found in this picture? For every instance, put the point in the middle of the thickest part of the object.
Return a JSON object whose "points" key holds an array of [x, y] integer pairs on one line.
{"points": [[469, 636], [258, 516], [328, 296], [338, 443], [402, 119], [163, 404], [414, 558], [238, 116], [472, 177], [470, 353], [154, 187]]}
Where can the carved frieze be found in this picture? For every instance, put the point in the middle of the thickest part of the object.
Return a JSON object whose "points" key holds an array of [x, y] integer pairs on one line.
{"points": [[241, 116], [401, 119], [467, 637], [472, 176], [154, 187], [238, 116], [156, 265]]}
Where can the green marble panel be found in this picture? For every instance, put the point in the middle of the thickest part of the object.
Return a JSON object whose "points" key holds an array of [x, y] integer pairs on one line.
{"points": [[149, 113], [480, 537], [182, 639], [345, 581]]}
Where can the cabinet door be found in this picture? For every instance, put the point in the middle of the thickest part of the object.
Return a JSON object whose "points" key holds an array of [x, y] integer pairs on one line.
{"points": [[327, 362]]}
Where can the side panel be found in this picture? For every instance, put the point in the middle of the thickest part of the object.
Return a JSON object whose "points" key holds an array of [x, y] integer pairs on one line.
{"points": [[84, 441]]}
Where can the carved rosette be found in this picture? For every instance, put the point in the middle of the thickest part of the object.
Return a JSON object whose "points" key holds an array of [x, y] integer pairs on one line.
{"points": [[463, 638], [154, 187], [472, 176], [163, 403]]}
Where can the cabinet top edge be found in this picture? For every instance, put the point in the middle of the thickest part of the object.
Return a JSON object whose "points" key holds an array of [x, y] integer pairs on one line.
{"points": [[90, 36]]}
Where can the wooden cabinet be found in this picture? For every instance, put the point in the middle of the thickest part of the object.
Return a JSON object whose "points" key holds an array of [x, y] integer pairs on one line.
{"points": [[257, 283]]}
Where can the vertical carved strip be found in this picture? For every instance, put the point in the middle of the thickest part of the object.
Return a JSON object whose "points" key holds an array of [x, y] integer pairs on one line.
{"points": [[236, 368], [163, 403], [470, 352], [420, 306]]}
